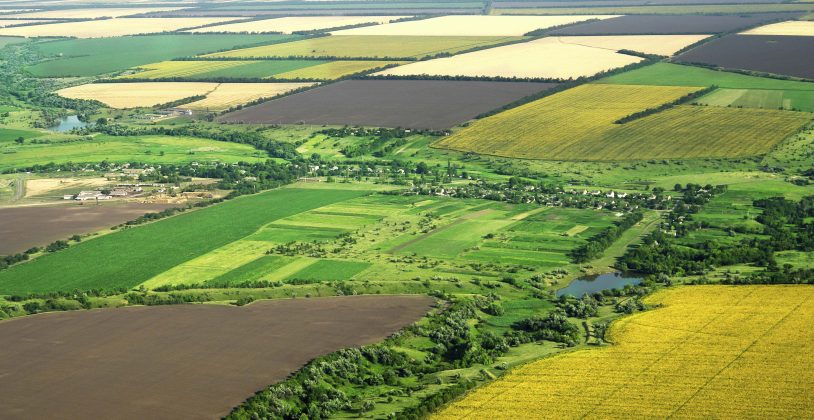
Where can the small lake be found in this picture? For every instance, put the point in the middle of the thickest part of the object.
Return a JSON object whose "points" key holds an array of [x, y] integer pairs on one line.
{"points": [[593, 284], [69, 123]]}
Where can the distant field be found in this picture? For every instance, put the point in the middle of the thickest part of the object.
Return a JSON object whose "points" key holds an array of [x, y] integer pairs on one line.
{"points": [[433, 104], [89, 57], [288, 25], [361, 46], [135, 95], [541, 58], [663, 10], [227, 95], [468, 25], [785, 55], [8, 40], [92, 13], [152, 248], [791, 28], [226, 69], [766, 99], [9, 22], [334, 69], [649, 44], [11, 134], [110, 27], [665, 24], [147, 149], [703, 352], [578, 125], [667, 74]]}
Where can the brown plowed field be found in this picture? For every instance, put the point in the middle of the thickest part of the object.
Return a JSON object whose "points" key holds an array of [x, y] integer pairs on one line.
{"points": [[786, 55], [178, 362], [429, 104], [671, 25], [24, 227]]}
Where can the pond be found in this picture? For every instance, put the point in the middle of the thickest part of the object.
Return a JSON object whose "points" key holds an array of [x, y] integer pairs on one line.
{"points": [[593, 284], [69, 123]]}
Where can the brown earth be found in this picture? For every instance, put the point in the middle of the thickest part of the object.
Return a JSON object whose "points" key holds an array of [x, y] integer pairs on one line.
{"points": [[181, 361], [672, 24], [24, 227]]}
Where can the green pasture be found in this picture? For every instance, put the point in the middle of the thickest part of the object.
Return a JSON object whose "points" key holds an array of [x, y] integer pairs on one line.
{"points": [[12, 134], [90, 57], [129, 257], [146, 149], [330, 270], [668, 74], [799, 100]]}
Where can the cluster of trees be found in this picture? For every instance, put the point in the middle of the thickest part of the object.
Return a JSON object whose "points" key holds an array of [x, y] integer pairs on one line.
{"points": [[598, 243], [553, 327]]}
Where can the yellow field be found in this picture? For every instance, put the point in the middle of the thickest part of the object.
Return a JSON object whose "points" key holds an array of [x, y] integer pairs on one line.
{"points": [[578, 124], [227, 95], [288, 25], [648, 44], [182, 68], [470, 25], [366, 46], [795, 28], [134, 95], [334, 69], [723, 352], [7, 22], [542, 58], [94, 13], [110, 27]]}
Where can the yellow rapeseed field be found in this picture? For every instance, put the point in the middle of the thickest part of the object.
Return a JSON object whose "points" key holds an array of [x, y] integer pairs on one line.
{"points": [[648, 44], [792, 28], [110, 27], [134, 95], [93, 13], [227, 95], [470, 25], [725, 352], [578, 124], [541, 58], [288, 25]]}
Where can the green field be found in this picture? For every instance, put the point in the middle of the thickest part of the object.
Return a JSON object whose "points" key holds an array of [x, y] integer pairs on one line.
{"points": [[668, 74], [89, 57], [8, 40], [800, 100], [330, 270], [129, 257], [216, 69], [361, 46], [147, 149], [11, 134]]}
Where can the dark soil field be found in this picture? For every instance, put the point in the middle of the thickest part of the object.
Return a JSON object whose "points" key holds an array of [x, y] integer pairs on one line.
{"points": [[428, 104], [310, 12], [181, 361], [675, 24], [600, 3], [24, 227], [784, 55]]}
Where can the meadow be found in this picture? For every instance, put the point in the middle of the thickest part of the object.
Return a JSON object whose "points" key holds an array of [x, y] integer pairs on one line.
{"points": [[540, 58], [109, 27], [147, 149], [556, 127], [697, 355], [131, 256], [90, 57], [219, 69], [361, 46]]}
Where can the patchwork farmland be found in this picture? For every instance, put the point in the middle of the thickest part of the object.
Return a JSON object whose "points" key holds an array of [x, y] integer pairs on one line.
{"points": [[468, 26], [109, 27], [433, 104], [670, 25], [248, 69], [289, 25]]}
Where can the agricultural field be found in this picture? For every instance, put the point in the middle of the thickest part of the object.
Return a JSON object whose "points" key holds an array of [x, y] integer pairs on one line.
{"points": [[362, 46], [696, 355], [152, 248], [681, 9], [92, 13], [335, 69], [665, 24], [169, 383], [288, 25], [766, 99], [389, 103], [790, 28], [670, 74], [140, 94], [542, 58], [9, 40], [469, 25], [784, 55], [109, 27], [10, 22], [665, 45], [90, 57], [218, 69], [228, 95], [556, 127], [149, 149]]}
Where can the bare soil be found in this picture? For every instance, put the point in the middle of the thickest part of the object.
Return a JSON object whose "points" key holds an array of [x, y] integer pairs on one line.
{"points": [[672, 24], [182, 361], [425, 104], [24, 227]]}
